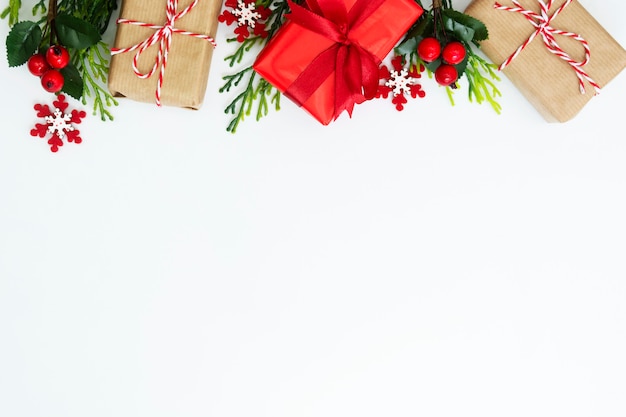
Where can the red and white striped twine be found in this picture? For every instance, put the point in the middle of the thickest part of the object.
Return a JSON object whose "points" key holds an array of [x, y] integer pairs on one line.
{"points": [[163, 35], [541, 21]]}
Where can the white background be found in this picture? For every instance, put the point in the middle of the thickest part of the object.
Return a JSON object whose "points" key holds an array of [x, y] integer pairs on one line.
{"points": [[439, 262]]}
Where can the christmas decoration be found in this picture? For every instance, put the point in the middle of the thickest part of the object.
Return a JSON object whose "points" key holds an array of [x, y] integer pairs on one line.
{"points": [[443, 41], [63, 47], [545, 49], [58, 124], [175, 37], [248, 15], [327, 60], [400, 82], [327, 56]]}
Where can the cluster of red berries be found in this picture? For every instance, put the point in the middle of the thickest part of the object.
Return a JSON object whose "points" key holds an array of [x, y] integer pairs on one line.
{"points": [[453, 53], [46, 66]]}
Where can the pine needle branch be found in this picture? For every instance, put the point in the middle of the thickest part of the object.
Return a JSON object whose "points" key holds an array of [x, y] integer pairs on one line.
{"points": [[255, 88]]}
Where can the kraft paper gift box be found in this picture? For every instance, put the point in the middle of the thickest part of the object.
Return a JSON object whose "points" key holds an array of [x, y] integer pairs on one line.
{"points": [[548, 82], [185, 77], [290, 52]]}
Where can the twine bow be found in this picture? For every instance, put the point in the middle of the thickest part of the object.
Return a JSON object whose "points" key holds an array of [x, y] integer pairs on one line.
{"points": [[355, 68], [163, 36], [541, 21]]}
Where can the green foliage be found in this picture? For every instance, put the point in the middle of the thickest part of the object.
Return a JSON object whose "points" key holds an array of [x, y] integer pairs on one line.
{"points": [[22, 42], [74, 32], [483, 88], [73, 84], [459, 30], [94, 67], [12, 11], [468, 28], [256, 90]]}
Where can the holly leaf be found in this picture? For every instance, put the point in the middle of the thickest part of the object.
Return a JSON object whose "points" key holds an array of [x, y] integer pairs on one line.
{"points": [[461, 66], [407, 47], [465, 27], [73, 84], [424, 25], [22, 42], [433, 65], [75, 33], [460, 31]]}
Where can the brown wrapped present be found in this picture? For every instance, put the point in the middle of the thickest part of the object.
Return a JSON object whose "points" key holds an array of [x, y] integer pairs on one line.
{"points": [[162, 51], [550, 50]]}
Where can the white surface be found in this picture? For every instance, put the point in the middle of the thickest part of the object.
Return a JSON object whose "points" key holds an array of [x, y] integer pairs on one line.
{"points": [[439, 262]]}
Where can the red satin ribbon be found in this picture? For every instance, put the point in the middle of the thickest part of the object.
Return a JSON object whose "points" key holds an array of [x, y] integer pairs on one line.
{"points": [[355, 68]]}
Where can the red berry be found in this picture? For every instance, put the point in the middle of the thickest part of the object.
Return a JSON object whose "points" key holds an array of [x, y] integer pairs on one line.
{"points": [[429, 49], [37, 65], [453, 53], [52, 81], [57, 56], [446, 74]]}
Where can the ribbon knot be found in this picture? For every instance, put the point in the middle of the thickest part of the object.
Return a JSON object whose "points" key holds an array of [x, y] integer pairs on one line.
{"points": [[355, 68], [542, 23], [162, 36]]}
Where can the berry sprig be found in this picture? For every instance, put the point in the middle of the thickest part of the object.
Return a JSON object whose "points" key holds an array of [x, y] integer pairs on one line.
{"points": [[256, 23], [64, 48], [443, 40], [47, 66]]}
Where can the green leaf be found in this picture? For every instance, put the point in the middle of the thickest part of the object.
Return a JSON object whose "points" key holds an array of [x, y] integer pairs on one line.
{"points": [[432, 66], [471, 28], [22, 42], [459, 30], [73, 84], [462, 66], [423, 25], [75, 33], [406, 47]]}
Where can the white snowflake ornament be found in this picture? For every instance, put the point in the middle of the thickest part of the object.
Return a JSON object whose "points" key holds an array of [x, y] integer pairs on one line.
{"points": [[400, 82], [249, 18], [58, 123], [246, 13]]}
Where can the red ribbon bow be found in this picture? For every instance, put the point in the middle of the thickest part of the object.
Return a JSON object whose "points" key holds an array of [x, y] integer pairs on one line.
{"points": [[355, 68]]}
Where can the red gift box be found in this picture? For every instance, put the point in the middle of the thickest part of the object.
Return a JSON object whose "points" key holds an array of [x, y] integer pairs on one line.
{"points": [[326, 64]]}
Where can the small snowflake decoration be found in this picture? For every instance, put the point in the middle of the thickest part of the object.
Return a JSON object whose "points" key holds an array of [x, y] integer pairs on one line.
{"points": [[248, 15], [58, 124], [400, 82]]}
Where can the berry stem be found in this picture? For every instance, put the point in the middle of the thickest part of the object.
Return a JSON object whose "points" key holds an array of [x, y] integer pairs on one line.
{"points": [[439, 29], [52, 14]]}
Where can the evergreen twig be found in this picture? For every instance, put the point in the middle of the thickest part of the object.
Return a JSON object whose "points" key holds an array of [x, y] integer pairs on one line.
{"points": [[255, 88]]}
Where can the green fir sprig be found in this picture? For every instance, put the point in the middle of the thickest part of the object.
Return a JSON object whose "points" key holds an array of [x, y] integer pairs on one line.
{"points": [[12, 11], [78, 26], [254, 88], [93, 64]]}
